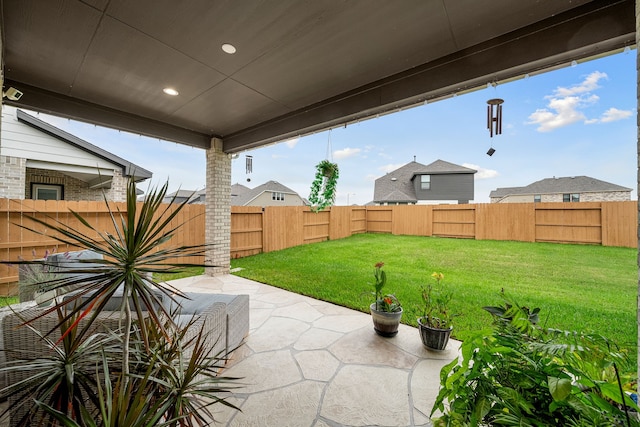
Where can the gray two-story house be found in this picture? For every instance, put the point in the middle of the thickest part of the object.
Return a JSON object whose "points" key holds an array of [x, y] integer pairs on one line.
{"points": [[414, 182]]}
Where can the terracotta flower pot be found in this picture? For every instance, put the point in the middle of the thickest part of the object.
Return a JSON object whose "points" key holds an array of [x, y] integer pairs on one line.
{"points": [[434, 338], [384, 323]]}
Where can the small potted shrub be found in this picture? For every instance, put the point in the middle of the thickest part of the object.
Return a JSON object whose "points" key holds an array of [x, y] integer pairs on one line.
{"points": [[386, 310], [436, 323]]}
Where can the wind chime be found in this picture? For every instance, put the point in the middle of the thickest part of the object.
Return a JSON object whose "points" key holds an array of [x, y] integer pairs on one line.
{"points": [[249, 165], [494, 119]]}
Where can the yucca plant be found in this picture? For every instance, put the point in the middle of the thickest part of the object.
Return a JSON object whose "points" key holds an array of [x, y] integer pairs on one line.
{"points": [[59, 374], [127, 403], [172, 385], [187, 374], [131, 254]]}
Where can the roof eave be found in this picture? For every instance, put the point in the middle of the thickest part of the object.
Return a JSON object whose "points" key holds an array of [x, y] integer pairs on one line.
{"points": [[129, 169]]}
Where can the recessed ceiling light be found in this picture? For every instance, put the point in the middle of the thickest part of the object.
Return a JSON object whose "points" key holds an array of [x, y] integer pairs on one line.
{"points": [[170, 91], [229, 48]]}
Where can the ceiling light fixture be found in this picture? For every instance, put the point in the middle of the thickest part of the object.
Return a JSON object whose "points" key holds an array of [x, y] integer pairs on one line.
{"points": [[229, 48], [170, 91]]}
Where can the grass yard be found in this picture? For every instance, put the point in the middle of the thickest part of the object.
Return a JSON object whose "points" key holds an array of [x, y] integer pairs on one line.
{"points": [[5, 301], [578, 287], [188, 272]]}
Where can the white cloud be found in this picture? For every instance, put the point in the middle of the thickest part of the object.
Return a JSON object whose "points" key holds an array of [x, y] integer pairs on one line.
{"points": [[565, 105], [292, 142], [613, 115], [347, 152], [589, 84], [483, 173], [565, 112]]}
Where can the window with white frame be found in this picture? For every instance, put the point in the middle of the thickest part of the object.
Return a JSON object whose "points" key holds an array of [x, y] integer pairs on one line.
{"points": [[537, 198], [425, 182], [47, 192], [277, 196], [571, 197]]}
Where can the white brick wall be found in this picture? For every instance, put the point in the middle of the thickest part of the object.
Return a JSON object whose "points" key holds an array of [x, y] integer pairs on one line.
{"points": [[611, 196], [218, 209], [606, 196], [12, 177]]}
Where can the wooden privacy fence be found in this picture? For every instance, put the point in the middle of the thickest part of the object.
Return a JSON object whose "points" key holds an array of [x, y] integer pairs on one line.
{"points": [[17, 242], [255, 229]]}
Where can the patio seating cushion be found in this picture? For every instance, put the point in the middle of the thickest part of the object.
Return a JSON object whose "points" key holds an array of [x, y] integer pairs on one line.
{"points": [[58, 265], [66, 262], [115, 302]]}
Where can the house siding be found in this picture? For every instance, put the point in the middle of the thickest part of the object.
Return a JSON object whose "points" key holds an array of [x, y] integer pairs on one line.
{"points": [[458, 187], [265, 199], [20, 140], [31, 154]]}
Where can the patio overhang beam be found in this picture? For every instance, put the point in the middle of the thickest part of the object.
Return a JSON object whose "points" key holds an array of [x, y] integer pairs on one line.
{"points": [[64, 106], [593, 31]]}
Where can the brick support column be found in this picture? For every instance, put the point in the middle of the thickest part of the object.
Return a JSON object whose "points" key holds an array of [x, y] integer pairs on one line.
{"points": [[218, 209]]}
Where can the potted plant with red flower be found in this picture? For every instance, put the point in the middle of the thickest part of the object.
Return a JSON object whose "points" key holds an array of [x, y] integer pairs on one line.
{"points": [[386, 310]]}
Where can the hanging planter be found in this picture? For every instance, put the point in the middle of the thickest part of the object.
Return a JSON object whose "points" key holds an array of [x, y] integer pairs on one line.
{"points": [[323, 187]]}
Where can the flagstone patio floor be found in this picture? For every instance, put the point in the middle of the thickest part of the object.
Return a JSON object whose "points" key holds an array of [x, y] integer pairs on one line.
{"points": [[310, 363]]}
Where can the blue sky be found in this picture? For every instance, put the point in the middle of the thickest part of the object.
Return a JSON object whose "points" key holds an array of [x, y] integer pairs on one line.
{"points": [[579, 120]]}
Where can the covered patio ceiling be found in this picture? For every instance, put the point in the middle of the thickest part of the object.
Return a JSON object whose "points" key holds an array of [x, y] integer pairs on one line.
{"points": [[300, 66]]}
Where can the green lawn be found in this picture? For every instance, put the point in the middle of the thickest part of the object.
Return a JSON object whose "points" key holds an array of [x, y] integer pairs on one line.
{"points": [[4, 301], [188, 272], [578, 287]]}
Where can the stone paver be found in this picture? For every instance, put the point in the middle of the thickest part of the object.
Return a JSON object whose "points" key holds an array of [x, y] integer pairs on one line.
{"points": [[362, 395], [317, 365]]}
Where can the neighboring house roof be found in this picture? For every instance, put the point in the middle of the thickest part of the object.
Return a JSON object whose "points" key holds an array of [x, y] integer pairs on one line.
{"points": [[397, 186], [198, 197], [238, 189], [179, 196], [242, 197], [569, 184], [442, 167], [128, 169]]}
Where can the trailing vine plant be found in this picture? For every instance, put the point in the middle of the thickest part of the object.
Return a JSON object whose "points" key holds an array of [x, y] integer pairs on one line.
{"points": [[323, 187]]}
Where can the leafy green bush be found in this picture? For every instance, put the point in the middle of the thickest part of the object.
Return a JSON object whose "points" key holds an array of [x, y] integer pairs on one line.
{"points": [[518, 373]]}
